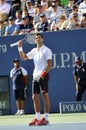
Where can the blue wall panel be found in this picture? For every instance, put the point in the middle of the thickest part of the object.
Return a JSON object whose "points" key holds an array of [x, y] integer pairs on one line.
{"points": [[65, 45]]}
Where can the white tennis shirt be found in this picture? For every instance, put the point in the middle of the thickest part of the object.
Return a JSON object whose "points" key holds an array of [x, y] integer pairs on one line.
{"points": [[40, 58]]}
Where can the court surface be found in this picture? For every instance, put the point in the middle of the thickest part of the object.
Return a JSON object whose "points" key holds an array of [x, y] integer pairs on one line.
{"points": [[65, 126], [57, 122]]}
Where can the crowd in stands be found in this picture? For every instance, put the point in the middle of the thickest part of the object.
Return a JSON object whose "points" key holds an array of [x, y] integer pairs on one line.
{"points": [[29, 16]]}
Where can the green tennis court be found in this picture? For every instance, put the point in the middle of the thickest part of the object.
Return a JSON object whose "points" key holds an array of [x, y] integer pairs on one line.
{"points": [[53, 118]]}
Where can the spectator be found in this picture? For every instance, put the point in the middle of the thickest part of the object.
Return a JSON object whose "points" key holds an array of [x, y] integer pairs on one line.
{"points": [[74, 22], [65, 24], [54, 17], [37, 15], [50, 9], [26, 26], [59, 26], [11, 28], [25, 13], [30, 8], [15, 5], [75, 10], [18, 19], [57, 2], [2, 28], [4, 10], [19, 78], [80, 78], [43, 25], [83, 21], [82, 7]]}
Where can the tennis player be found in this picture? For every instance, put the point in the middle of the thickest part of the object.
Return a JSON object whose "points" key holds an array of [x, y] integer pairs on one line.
{"points": [[42, 58]]}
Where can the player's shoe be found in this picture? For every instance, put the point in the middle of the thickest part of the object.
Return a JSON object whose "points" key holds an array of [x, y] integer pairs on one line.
{"points": [[33, 122], [21, 112], [42, 122], [18, 112]]}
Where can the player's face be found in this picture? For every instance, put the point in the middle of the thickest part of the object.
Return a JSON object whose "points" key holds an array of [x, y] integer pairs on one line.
{"points": [[38, 39], [16, 64], [78, 62]]}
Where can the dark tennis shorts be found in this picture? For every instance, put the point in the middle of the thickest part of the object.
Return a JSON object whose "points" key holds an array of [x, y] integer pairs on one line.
{"points": [[19, 94], [40, 86]]}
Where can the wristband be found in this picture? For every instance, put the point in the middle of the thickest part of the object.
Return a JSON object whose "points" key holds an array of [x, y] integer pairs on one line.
{"points": [[20, 49], [43, 74]]}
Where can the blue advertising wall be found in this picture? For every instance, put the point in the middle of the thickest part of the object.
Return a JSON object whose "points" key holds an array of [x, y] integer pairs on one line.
{"points": [[65, 45]]}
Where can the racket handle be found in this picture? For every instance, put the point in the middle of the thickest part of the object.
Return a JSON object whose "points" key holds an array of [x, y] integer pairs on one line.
{"points": [[14, 44]]}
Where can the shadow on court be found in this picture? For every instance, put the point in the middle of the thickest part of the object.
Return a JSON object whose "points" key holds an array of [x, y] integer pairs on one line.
{"points": [[63, 126]]}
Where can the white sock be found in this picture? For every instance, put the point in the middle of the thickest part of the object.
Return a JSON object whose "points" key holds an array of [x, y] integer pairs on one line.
{"points": [[18, 110], [22, 109], [46, 116], [38, 115]]}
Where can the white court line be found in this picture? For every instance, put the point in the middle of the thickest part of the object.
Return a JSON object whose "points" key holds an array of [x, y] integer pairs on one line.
{"points": [[59, 126], [50, 124]]}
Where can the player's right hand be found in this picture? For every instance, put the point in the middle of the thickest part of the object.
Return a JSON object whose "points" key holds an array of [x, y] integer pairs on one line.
{"points": [[43, 74], [19, 43]]}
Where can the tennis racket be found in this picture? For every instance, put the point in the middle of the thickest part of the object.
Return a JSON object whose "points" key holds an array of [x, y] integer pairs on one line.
{"points": [[29, 38]]}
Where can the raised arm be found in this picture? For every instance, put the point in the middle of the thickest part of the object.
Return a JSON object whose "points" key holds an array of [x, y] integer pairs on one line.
{"points": [[21, 52]]}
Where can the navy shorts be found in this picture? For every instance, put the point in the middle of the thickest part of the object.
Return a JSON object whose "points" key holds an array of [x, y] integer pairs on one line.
{"points": [[40, 86], [19, 94]]}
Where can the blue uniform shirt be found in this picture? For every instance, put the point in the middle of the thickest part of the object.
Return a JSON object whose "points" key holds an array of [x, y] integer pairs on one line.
{"points": [[80, 72]]}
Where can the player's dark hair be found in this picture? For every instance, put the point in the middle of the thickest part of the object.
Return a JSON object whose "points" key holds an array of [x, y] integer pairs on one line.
{"points": [[39, 34]]}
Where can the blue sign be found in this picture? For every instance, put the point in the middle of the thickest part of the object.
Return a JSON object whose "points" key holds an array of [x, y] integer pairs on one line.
{"points": [[72, 107], [65, 45]]}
